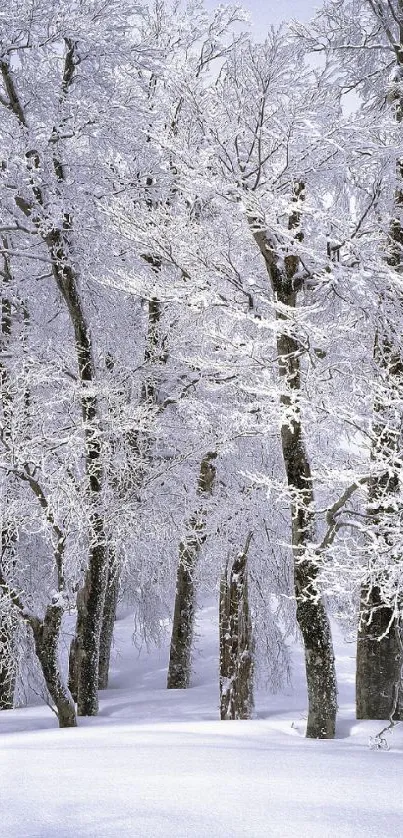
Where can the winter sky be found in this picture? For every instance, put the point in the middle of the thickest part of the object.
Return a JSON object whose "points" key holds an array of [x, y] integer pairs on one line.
{"points": [[263, 13]]}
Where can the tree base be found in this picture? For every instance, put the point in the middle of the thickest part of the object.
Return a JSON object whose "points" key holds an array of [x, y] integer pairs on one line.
{"points": [[378, 669]]}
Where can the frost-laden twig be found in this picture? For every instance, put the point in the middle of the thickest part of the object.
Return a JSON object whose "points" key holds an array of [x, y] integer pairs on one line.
{"points": [[379, 742]]}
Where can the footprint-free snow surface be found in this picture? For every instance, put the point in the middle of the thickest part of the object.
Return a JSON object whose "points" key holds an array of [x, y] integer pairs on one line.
{"points": [[159, 764]]}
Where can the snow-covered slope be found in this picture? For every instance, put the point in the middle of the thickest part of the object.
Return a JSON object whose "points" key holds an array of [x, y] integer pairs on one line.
{"points": [[159, 764]]}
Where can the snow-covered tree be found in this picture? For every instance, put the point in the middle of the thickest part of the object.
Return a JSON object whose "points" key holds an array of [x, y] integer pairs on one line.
{"points": [[362, 44]]}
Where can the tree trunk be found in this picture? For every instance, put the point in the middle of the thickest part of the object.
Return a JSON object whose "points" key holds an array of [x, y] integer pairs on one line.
{"points": [[8, 667], [378, 650], [85, 646], [108, 622], [379, 660], [8, 672], [311, 614], [179, 669], [90, 601], [73, 667], [57, 240], [46, 638], [236, 641]]}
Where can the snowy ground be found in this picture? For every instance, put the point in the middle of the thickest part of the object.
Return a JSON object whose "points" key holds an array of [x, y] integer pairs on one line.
{"points": [[158, 763]]}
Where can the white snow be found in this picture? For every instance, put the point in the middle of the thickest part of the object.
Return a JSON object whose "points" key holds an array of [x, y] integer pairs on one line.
{"points": [[159, 764]]}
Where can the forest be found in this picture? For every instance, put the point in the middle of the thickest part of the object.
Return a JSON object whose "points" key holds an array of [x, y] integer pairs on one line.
{"points": [[201, 355]]}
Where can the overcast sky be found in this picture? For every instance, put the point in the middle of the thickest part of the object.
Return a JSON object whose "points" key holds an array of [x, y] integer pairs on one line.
{"points": [[265, 12]]}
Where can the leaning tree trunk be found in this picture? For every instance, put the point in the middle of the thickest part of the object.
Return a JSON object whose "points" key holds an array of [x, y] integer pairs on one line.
{"points": [[46, 638], [236, 641], [179, 669], [46, 634], [311, 613], [57, 239]]}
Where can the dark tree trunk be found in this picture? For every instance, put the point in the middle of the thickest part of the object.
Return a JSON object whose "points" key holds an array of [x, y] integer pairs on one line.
{"points": [[236, 641], [8, 671], [179, 669], [90, 601], [378, 650], [311, 614], [108, 622], [73, 667], [8, 668], [46, 637], [57, 239], [155, 353], [58, 242], [85, 646], [319, 663], [379, 659]]}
